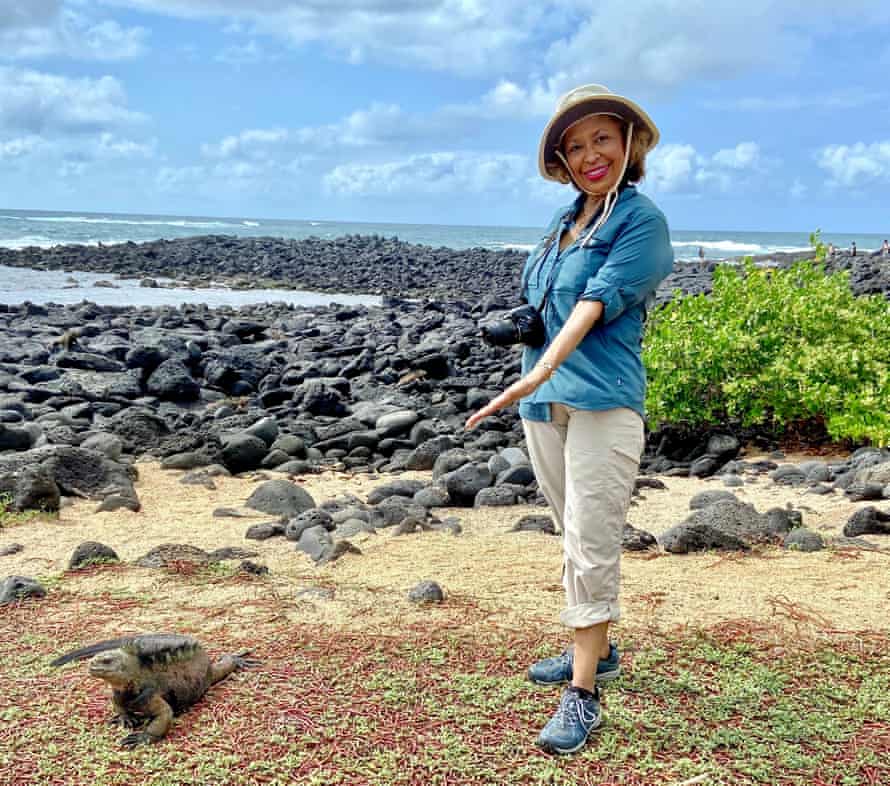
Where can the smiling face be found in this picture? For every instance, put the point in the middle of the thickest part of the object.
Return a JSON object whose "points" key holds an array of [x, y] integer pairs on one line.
{"points": [[594, 149]]}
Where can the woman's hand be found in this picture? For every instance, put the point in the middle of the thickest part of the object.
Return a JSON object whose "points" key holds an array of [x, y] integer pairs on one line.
{"points": [[519, 389]]}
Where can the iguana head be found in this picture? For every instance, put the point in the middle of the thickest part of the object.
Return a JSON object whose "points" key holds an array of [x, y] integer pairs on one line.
{"points": [[114, 666]]}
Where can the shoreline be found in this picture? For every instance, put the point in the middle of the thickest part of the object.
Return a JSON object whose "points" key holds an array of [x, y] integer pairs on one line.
{"points": [[371, 265]]}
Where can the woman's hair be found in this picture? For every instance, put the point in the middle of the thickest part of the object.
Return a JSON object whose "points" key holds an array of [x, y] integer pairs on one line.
{"points": [[639, 146]]}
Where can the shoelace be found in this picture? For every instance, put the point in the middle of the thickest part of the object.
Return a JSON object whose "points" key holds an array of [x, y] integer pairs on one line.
{"points": [[563, 713]]}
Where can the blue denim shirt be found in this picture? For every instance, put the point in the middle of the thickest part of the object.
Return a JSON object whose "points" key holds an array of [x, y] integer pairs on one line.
{"points": [[621, 266]]}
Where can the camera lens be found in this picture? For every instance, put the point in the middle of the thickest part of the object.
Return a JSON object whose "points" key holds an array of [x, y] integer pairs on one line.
{"points": [[500, 334]]}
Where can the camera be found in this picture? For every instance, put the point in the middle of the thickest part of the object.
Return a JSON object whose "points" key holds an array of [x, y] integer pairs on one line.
{"points": [[522, 325]]}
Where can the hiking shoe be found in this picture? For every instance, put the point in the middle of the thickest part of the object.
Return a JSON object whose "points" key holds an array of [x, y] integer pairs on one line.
{"points": [[553, 671], [578, 714]]}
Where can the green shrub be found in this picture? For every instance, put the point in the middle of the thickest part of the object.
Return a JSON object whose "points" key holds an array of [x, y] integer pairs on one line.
{"points": [[780, 349]]}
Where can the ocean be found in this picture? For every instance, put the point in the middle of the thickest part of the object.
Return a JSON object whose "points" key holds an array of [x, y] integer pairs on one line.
{"points": [[21, 228]]}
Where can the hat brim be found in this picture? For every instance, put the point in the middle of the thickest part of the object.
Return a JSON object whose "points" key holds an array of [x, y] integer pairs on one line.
{"points": [[550, 167]]}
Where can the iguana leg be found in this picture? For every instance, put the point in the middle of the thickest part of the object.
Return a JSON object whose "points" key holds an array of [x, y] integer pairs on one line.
{"points": [[229, 663], [122, 717], [161, 715]]}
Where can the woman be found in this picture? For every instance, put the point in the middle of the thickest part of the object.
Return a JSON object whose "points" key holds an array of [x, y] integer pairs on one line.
{"points": [[582, 392]]}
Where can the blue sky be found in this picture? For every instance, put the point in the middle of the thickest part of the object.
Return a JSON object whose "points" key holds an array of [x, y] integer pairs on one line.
{"points": [[775, 114]]}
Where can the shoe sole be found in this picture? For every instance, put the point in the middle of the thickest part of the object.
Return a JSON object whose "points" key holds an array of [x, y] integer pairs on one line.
{"points": [[552, 749], [601, 678]]}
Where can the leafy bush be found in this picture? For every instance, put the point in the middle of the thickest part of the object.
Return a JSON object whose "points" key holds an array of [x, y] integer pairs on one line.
{"points": [[781, 349]]}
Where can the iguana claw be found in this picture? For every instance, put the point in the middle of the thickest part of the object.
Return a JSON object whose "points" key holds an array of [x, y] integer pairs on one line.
{"points": [[124, 721], [138, 738]]}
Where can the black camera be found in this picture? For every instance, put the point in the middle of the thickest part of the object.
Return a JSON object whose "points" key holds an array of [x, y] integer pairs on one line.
{"points": [[522, 325]]}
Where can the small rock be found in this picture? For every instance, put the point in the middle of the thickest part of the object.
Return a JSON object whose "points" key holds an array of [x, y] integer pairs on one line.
{"points": [[432, 497], [535, 523], [264, 531], [803, 539], [198, 478], [709, 497], [230, 513], [253, 568], [91, 552], [117, 501], [495, 496], [426, 592], [16, 588]]}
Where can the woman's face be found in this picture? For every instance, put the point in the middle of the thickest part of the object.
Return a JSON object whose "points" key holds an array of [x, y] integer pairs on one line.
{"points": [[594, 149]]}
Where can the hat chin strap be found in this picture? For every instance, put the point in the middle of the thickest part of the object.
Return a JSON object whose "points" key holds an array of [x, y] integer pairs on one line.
{"points": [[611, 195]]}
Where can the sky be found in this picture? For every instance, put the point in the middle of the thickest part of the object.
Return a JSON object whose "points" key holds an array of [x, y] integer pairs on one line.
{"points": [[774, 114]]}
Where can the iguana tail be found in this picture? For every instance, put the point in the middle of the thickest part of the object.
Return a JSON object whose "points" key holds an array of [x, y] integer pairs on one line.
{"points": [[92, 649]]}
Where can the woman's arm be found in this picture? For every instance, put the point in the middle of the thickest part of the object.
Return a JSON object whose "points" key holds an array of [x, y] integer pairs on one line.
{"points": [[584, 316]]}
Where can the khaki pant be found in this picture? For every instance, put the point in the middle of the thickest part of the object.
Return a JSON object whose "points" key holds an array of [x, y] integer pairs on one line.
{"points": [[586, 462]]}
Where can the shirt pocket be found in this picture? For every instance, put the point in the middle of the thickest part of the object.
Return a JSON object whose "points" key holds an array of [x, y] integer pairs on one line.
{"points": [[578, 265]]}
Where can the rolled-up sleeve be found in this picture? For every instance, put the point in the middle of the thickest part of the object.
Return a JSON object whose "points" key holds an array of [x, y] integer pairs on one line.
{"points": [[640, 258]]}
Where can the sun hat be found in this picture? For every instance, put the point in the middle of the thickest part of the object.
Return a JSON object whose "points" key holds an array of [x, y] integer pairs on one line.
{"points": [[578, 104]]}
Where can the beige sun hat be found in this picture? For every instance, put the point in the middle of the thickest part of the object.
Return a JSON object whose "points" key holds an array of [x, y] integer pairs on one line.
{"points": [[576, 105]]}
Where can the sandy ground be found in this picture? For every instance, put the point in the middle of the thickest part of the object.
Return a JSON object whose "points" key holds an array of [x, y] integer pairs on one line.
{"points": [[490, 575]]}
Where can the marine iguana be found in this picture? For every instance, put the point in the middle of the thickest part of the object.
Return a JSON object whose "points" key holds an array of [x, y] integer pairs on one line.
{"points": [[153, 676]]}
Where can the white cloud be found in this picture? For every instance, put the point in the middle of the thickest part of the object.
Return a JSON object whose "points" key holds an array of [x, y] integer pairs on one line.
{"points": [[21, 146], [745, 155], [15, 13], [851, 98], [110, 146], [243, 54], [856, 164], [254, 143], [430, 173], [678, 168], [669, 167], [69, 33], [380, 125], [72, 169], [798, 189], [38, 102], [178, 178], [460, 36], [647, 44]]}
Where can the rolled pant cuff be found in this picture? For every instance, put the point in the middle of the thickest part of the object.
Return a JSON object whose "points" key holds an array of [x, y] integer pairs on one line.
{"points": [[586, 614]]}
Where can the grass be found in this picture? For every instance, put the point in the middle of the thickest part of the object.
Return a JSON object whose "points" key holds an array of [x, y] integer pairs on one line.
{"points": [[12, 518], [447, 706]]}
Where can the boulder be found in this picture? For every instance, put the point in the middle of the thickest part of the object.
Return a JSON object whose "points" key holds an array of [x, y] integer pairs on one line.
{"points": [[281, 498], [466, 482], [172, 381], [243, 452], [868, 521], [708, 497], [424, 456], [727, 524], [35, 489]]}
